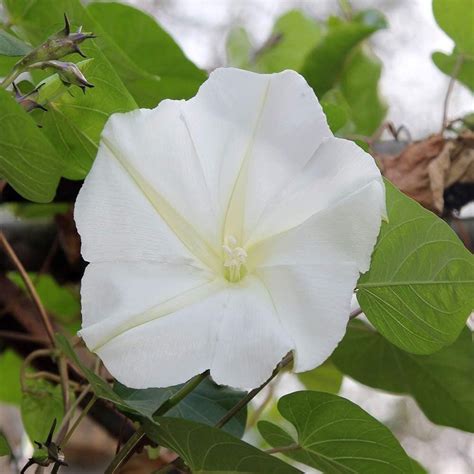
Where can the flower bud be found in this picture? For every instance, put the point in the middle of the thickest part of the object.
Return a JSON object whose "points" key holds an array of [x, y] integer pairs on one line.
{"points": [[56, 46], [26, 101], [69, 73]]}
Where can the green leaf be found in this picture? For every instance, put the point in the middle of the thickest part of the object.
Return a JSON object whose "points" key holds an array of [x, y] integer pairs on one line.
{"points": [[205, 449], [293, 37], [206, 404], [324, 64], [12, 46], [449, 64], [456, 18], [148, 60], [39, 407], [441, 383], [359, 85], [28, 210], [325, 378], [419, 290], [58, 300], [338, 112], [28, 161], [74, 120], [5, 449], [239, 49], [335, 436], [10, 368]]}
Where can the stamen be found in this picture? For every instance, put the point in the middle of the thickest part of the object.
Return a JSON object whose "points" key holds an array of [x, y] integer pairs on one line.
{"points": [[234, 259]]}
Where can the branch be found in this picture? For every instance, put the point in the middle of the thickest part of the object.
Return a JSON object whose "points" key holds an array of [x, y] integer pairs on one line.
{"points": [[29, 285], [253, 393], [454, 75]]}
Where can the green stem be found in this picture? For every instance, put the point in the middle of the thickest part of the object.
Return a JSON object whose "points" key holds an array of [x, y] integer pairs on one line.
{"points": [[130, 445], [78, 420], [11, 77], [184, 391], [253, 393]]}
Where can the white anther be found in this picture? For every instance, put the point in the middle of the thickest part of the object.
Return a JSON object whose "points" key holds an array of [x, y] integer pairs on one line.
{"points": [[234, 257]]}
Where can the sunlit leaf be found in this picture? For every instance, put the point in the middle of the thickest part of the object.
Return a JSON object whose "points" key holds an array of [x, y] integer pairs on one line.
{"points": [[335, 436], [39, 407], [359, 85], [28, 160], [150, 63], [324, 64], [456, 18], [419, 290], [205, 449], [293, 37], [58, 300], [12, 46], [239, 49], [462, 70], [10, 368]]}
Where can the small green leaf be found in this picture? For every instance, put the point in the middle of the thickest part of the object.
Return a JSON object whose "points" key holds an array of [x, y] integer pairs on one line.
{"points": [[456, 18], [207, 404], [419, 290], [12, 46], [206, 450], [449, 63], [39, 407], [369, 358], [325, 378], [28, 161], [336, 116], [5, 449], [10, 368], [324, 64], [58, 300], [335, 436], [28, 210], [359, 85], [293, 37], [239, 49]]}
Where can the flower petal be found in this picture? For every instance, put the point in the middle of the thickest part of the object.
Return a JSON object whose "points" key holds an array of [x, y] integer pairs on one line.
{"points": [[313, 302], [157, 154], [346, 232], [117, 222], [337, 169], [252, 133], [183, 333], [250, 340]]}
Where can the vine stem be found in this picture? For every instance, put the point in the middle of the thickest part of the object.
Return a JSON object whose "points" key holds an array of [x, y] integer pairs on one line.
{"points": [[69, 414], [84, 412], [29, 285], [253, 393], [132, 442], [11, 77], [452, 81], [238, 406], [283, 449]]}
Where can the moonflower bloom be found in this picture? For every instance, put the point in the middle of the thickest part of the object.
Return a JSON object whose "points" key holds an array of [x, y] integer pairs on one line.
{"points": [[223, 232]]}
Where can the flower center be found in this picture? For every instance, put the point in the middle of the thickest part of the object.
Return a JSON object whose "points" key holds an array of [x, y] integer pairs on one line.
{"points": [[234, 259]]}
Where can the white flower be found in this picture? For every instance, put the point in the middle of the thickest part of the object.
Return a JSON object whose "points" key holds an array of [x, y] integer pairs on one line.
{"points": [[223, 232]]}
